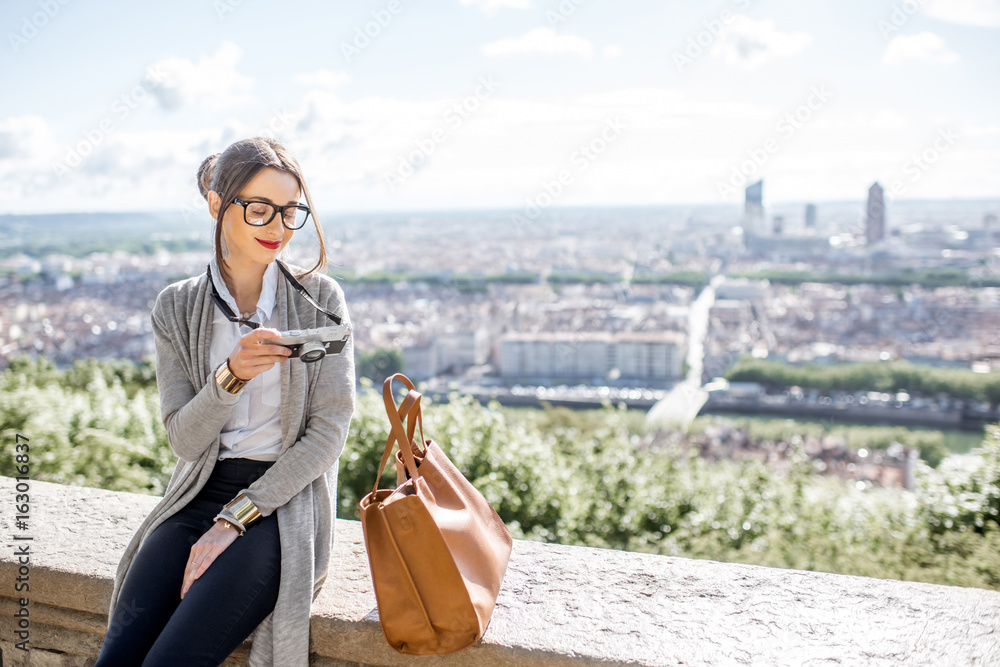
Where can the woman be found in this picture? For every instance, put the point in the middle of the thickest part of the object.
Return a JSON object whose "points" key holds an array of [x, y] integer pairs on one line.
{"points": [[241, 541]]}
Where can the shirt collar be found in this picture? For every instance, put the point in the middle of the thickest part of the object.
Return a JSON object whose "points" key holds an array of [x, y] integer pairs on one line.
{"points": [[268, 292]]}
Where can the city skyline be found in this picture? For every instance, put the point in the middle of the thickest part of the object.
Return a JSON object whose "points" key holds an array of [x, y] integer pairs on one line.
{"points": [[481, 104]]}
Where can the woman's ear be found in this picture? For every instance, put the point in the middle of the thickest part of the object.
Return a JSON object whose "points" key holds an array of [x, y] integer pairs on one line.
{"points": [[214, 204]]}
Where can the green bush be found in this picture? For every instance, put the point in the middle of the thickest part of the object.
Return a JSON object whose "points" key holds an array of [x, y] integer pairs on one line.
{"points": [[84, 427], [590, 478], [963, 494], [871, 376]]}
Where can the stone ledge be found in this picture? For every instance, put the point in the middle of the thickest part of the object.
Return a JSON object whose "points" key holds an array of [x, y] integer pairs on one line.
{"points": [[559, 605]]}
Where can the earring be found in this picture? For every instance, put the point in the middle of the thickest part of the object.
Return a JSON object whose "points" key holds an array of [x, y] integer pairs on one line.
{"points": [[222, 245]]}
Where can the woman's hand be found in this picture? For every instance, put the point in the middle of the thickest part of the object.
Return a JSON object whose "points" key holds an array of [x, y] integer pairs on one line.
{"points": [[206, 550], [252, 355]]}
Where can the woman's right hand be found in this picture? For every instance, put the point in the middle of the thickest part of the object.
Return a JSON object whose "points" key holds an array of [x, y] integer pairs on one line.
{"points": [[253, 355]]}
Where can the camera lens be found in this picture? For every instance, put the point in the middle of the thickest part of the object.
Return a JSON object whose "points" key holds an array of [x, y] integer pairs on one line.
{"points": [[312, 351]]}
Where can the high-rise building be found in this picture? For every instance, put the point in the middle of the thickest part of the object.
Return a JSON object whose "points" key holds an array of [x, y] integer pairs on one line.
{"points": [[875, 215], [778, 225], [990, 226], [810, 216], [753, 210]]}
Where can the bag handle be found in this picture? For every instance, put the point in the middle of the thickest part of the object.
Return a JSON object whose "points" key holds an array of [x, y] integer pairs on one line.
{"points": [[409, 410], [390, 406], [395, 420], [405, 406]]}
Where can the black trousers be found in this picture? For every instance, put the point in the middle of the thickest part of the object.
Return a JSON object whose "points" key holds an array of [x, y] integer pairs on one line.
{"points": [[152, 626]]}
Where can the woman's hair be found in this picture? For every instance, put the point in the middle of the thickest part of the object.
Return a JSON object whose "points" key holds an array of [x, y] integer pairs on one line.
{"points": [[228, 172]]}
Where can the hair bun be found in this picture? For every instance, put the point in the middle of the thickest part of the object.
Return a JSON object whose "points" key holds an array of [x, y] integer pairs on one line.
{"points": [[205, 173]]}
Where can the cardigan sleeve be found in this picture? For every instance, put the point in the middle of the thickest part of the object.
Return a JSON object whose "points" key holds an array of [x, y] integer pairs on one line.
{"points": [[193, 419], [329, 411]]}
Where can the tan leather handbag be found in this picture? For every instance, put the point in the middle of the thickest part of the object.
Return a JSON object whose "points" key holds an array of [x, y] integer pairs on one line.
{"points": [[437, 550]]}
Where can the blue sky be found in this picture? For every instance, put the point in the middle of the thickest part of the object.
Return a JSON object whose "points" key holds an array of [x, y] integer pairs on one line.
{"points": [[111, 105]]}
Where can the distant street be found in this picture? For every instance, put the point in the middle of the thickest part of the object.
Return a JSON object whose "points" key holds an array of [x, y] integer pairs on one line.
{"points": [[679, 408]]}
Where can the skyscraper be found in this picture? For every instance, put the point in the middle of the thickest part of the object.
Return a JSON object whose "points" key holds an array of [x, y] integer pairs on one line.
{"points": [[875, 215], [810, 216], [753, 210], [989, 226]]}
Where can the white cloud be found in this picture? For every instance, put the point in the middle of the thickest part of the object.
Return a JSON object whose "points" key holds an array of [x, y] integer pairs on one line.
{"points": [[746, 43], [323, 78], [25, 137], [350, 146], [984, 13], [612, 51], [981, 130], [27, 145], [922, 46], [212, 82], [673, 147], [489, 7], [540, 40]]}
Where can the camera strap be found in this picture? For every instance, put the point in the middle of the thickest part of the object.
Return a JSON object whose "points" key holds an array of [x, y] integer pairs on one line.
{"points": [[232, 317], [305, 294], [224, 307]]}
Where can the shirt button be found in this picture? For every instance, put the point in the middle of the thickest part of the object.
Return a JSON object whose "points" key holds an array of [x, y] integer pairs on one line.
{"points": [[241, 423]]}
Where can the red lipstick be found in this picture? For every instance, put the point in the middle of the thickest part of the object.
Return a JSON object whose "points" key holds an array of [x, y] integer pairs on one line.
{"points": [[270, 245]]}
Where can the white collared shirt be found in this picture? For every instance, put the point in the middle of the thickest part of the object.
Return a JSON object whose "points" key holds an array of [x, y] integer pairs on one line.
{"points": [[253, 430]]}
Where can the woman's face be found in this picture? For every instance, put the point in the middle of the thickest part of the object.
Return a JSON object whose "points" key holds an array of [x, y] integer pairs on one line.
{"points": [[253, 244]]}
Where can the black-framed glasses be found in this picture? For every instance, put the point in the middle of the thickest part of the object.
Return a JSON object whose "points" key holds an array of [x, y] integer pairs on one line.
{"points": [[261, 213]]}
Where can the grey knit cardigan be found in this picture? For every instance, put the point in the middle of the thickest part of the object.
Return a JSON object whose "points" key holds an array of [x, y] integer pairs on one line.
{"points": [[317, 402]]}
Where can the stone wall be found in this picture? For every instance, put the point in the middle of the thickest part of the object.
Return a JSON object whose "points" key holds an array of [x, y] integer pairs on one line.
{"points": [[559, 605]]}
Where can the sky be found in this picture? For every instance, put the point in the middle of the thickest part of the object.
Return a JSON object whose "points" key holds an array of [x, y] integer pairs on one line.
{"points": [[111, 105]]}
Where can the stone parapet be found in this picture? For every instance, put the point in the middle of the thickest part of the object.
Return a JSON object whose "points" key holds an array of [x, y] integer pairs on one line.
{"points": [[559, 605]]}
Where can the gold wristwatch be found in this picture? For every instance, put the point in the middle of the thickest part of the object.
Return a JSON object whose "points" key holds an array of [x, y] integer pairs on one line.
{"points": [[224, 378]]}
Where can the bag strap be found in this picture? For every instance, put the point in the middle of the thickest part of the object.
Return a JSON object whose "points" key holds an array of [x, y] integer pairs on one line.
{"points": [[390, 406], [409, 410], [404, 408], [413, 418]]}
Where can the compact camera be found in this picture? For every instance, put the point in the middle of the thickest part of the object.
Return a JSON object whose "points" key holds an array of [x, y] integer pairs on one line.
{"points": [[311, 345]]}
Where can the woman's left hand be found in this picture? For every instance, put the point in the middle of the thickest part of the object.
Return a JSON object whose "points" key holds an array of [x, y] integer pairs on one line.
{"points": [[205, 551]]}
